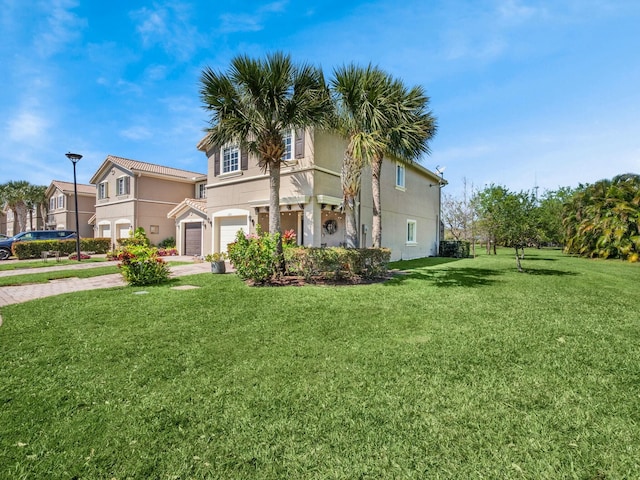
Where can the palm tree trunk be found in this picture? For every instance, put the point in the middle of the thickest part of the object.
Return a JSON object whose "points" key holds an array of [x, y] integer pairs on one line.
{"points": [[274, 211], [350, 180], [376, 227], [21, 215], [351, 229], [274, 197]]}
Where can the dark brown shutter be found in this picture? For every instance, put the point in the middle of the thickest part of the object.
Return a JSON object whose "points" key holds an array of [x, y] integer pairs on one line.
{"points": [[299, 147], [216, 162], [244, 160]]}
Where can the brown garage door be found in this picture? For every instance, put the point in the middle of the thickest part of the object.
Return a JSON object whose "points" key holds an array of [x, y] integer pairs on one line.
{"points": [[193, 238]]}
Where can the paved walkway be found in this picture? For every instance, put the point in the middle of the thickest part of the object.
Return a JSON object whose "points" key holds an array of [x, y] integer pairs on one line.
{"points": [[24, 293]]}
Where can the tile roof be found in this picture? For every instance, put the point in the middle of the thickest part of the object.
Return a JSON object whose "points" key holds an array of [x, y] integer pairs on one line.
{"points": [[135, 165], [199, 204], [68, 187]]}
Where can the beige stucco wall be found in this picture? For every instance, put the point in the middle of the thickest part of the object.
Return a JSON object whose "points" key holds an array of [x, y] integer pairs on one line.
{"points": [[149, 201], [318, 174]]}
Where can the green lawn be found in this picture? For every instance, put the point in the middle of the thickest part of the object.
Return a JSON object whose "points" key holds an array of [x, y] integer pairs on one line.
{"points": [[459, 369], [39, 264]]}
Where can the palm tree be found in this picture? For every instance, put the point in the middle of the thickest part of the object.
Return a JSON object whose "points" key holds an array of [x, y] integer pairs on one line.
{"points": [[36, 199], [379, 117], [13, 195], [359, 98], [255, 102], [603, 219]]}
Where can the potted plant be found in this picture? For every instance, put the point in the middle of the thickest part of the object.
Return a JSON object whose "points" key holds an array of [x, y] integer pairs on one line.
{"points": [[217, 261]]}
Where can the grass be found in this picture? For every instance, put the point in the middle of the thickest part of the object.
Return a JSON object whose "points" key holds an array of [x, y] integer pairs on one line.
{"points": [[45, 276], [37, 264], [458, 369]]}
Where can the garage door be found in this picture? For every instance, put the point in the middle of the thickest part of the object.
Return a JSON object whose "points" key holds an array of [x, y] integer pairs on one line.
{"points": [[229, 227], [124, 231], [193, 238]]}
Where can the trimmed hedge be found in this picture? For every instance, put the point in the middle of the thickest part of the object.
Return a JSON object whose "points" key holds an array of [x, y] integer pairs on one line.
{"points": [[337, 263], [34, 249], [455, 249]]}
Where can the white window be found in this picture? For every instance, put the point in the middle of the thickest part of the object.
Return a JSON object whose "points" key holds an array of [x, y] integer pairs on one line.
{"points": [[122, 186], [201, 190], [103, 190], [399, 175], [230, 159], [411, 231], [287, 137], [60, 201], [52, 203]]}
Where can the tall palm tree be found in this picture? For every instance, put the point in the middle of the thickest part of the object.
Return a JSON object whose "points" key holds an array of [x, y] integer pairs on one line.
{"points": [[359, 97], [410, 127], [36, 199], [255, 101], [13, 195], [380, 117]]}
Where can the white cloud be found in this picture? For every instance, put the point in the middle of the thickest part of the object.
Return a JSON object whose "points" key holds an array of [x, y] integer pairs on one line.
{"points": [[62, 27], [240, 23], [27, 126], [136, 132], [169, 26]]}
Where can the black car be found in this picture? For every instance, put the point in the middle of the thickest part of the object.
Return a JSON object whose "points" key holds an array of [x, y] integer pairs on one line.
{"points": [[6, 244]]}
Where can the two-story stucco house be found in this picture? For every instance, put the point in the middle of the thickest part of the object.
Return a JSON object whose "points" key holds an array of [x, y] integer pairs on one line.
{"points": [[62, 210], [237, 198], [132, 194]]}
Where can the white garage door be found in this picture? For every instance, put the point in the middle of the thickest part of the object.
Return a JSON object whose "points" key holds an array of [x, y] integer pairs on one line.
{"points": [[228, 228], [104, 231], [123, 231]]}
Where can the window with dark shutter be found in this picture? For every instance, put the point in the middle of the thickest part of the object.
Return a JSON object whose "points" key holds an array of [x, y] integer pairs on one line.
{"points": [[244, 160], [299, 143], [216, 162]]}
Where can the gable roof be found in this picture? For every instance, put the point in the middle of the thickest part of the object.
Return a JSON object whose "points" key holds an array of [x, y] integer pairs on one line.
{"points": [[150, 169], [199, 204], [67, 187]]}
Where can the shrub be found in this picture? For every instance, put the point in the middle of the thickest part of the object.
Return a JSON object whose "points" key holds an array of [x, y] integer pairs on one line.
{"points": [[34, 249], [337, 263], [455, 249], [137, 238], [255, 257], [167, 243], [141, 265]]}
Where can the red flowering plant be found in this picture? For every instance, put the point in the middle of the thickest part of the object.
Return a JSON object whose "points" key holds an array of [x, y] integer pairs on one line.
{"points": [[83, 256], [289, 238], [167, 252], [141, 265]]}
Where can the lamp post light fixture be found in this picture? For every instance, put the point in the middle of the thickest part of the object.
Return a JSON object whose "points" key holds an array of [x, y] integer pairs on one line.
{"points": [[75, 158]]}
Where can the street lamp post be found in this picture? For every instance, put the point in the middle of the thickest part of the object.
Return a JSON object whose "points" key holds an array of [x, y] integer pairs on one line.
{"points": [[75, 158]]}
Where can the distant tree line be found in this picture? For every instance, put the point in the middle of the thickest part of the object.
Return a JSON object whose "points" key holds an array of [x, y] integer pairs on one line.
{"points": [[592, 220]]}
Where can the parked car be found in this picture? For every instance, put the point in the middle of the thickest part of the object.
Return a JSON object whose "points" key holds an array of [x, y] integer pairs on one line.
{"points": [[6, 244], [3, 236]]}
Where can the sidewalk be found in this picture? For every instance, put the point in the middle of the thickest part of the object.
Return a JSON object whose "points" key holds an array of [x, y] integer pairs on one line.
{"points": [[24, 293]]}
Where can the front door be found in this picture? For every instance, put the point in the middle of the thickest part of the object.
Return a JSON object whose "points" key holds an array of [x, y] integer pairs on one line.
{"points": [[193, 239]]}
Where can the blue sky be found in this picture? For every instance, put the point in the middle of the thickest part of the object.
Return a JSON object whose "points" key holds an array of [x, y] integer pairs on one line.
{"points": [[527, 93]]}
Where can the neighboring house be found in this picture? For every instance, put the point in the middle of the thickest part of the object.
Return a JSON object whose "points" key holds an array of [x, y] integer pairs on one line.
{"points": [[237, 198], [132, 194], [62, 210]]}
